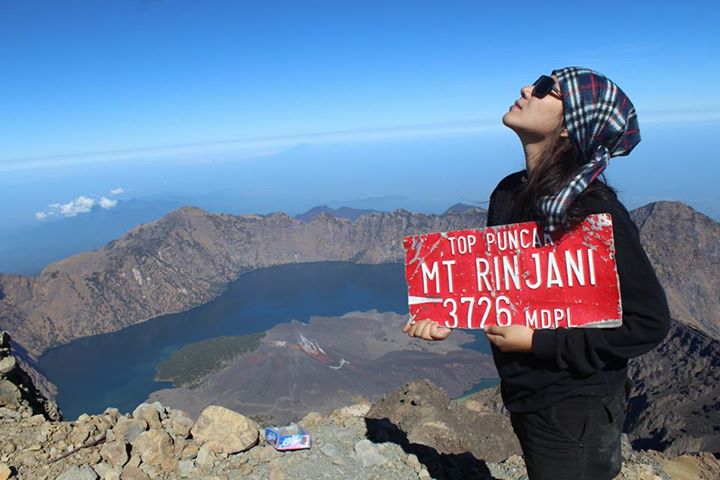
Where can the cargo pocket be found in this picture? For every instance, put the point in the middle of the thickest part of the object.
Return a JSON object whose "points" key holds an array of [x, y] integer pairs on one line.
{"points": [[609, 434], [572, 417], [615, 408]]}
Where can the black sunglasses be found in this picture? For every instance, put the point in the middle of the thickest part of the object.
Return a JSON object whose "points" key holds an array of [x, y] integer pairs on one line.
{"points": [[543, 86]]}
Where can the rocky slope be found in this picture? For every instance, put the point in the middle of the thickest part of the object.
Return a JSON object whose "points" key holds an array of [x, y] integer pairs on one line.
{"points": [[19, 395], [684, 248], [415, 432], [675, 404], [187, 258]]}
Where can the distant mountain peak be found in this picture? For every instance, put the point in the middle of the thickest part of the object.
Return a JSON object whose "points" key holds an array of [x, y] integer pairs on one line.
{"points": [[191, 210], [340, 212], [461, 208]]}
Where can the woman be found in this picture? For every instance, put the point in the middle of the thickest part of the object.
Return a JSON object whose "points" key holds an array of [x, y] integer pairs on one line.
{"points": [[565, 389]]}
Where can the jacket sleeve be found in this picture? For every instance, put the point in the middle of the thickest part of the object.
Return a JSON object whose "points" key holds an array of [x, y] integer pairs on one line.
{"points": [[646, 316]]}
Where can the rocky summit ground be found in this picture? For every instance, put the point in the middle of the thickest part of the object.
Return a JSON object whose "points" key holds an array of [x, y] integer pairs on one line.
{"points": [[155, 442], [158, 443], [415, 432]]}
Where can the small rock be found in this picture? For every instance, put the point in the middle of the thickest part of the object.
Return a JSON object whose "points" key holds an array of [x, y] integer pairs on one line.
{"points": [[224, 430], [35, 419], [103, 423], [357, 410], [112, 413], [102, 468], [185, 468], [368, 454], [7, 364], [79, 434], [264, 454], [9, 414], [9, 393], [205, 457], [189, 451], [134, 461], [160, 408], [312, 420], [180, 423], [133, 473], [413, 462], [424, 475], [154, 447], [127, 429], [149, 413], [330, 450], [78, 473], [115, 453], [60, 434], [149, 470], [5, 471], [111, 475]]}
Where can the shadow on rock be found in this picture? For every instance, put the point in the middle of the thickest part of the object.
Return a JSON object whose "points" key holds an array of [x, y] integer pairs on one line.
{"points": [[444, 466]]}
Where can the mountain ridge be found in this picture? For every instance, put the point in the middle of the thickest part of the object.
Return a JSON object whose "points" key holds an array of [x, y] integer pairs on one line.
{"points": [[187, 258]]}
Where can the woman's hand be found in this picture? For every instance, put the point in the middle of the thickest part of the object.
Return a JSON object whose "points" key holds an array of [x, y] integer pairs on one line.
{"points": [[513, 338], [427, 330]]}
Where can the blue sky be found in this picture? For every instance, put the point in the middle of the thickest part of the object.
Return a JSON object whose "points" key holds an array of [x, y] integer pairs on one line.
{"points": [[152, 96]]}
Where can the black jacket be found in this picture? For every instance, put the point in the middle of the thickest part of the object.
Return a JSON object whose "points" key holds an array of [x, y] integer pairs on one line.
{"points": [[584, 361]]}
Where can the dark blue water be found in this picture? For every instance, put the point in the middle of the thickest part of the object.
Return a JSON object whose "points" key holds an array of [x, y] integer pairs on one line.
{"points": [[117, 369]]}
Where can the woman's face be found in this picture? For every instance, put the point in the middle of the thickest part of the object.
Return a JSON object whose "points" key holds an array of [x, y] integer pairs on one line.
{"points": [[535, 119]]}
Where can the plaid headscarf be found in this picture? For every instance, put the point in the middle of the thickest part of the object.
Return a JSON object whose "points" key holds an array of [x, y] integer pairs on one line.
{"points": [[601, 122]]}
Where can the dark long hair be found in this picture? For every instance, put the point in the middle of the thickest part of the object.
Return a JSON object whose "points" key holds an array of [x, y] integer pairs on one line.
{"points": [[555, 165]]}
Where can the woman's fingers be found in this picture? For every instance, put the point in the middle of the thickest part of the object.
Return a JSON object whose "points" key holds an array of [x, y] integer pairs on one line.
{"points": [[440, 333], [427, 330], [495, 330], [493, 334], [413, 328], [424, 330]]}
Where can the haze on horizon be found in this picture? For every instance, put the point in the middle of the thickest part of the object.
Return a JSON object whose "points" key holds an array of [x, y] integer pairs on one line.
{"points": [[266, 106]]}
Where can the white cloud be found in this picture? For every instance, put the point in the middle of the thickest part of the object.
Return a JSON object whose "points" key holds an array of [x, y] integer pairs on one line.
{"points": [[117, 191], [106, 203], [81, 204]]}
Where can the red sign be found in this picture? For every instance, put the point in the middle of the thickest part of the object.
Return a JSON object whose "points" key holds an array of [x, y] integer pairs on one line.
{"points": [[507, 275]]}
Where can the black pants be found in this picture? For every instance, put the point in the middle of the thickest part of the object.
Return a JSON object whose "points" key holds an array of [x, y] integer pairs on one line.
{"points": [[578, 438]]}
